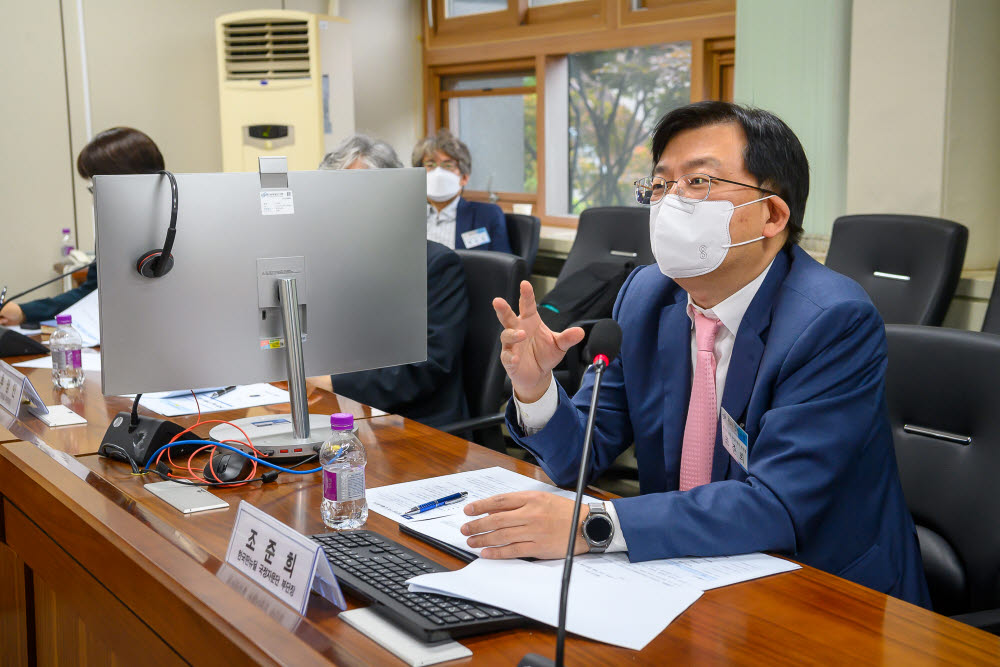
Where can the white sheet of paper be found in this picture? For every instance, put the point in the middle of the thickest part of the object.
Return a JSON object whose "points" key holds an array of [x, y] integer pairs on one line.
{"points": [[637, 609], [245, 396], [58, 415], [91, 361], [86, 319], [403, 645], [444, 523]]}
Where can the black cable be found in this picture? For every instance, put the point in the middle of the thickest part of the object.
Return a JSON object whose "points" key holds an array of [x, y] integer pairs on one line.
{"points": [[135, 411], [52, 280], [125, 455], [304, 461], [168, 244], [164, 472]]}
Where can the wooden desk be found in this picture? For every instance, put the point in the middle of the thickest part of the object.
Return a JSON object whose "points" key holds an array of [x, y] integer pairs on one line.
{"points": [[98, 410], [96, 567]]}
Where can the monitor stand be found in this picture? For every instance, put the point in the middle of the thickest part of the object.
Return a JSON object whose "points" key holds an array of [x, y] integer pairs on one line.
{"points": [[289, 436]]}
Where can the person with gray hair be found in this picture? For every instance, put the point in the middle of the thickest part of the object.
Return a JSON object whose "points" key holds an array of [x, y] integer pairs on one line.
{"points": [[432, 391], [359, 151], [452, 220]]}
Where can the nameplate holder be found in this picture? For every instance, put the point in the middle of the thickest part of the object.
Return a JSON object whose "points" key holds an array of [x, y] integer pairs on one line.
{"points": [[16, 389], [280, 560]]}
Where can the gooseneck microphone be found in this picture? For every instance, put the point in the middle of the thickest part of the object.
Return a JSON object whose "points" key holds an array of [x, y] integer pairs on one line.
{"points": [[603, 347]]}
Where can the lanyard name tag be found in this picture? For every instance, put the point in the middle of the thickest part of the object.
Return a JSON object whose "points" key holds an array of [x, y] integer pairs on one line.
{"points": [[734, 439], [476, 237]]}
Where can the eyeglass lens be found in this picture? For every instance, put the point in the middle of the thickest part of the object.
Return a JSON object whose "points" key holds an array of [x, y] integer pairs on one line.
{"points": [[690, 188]]}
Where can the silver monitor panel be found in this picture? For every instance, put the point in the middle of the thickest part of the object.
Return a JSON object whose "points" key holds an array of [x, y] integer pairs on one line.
{"points": [[355, 242]]}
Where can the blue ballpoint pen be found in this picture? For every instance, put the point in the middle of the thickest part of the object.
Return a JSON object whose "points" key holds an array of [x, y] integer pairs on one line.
{"points": [[440, 502]]}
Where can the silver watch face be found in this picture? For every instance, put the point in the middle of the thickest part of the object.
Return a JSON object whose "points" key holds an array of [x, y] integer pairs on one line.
{"points": [[598, 530]]}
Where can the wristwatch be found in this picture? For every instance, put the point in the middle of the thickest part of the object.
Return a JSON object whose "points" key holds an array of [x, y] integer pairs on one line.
{"points": [[598, 529]]}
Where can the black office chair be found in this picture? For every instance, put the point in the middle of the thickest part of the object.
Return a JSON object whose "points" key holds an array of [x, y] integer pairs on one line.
{"points": [[604, 234], [943, 395], [487, 276], [523, 231], [908, 264], [991, 324]]}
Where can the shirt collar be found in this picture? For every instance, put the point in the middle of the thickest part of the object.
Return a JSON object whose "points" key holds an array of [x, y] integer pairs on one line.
{"points": [[730, 311], [447, 214]]}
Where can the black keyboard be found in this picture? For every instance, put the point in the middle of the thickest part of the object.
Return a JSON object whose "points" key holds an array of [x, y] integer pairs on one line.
{"points": [[376, 569]]}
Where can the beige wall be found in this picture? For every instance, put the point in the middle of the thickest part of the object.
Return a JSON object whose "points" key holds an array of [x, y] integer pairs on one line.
{"points": [[899, 74], [151, 65], [923, 135], [971, 183], [35, 178]]}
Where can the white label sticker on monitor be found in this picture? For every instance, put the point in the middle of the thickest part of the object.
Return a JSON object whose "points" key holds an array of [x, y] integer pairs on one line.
{"points": [[276, 202]]}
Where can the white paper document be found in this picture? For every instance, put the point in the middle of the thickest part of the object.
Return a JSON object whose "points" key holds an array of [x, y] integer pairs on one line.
{"points": [[616, 607], [244, 396], [91, 360], [444, 523], [86, 319]]}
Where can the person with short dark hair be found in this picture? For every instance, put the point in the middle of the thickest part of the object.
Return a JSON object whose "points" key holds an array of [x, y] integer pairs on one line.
{"points": [[451, 219], [430, 391], [119, 150], [751, 380]]}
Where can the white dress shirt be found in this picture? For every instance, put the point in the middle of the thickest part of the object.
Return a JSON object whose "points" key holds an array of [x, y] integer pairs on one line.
{"points": [[534, 416], [441, 224]]}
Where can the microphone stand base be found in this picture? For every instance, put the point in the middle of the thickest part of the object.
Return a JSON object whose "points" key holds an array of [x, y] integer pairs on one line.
{"points": [[535, 660]]}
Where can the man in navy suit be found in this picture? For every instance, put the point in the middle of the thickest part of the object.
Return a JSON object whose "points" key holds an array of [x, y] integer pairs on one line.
{"points": [[751, 380], [452, 220]]}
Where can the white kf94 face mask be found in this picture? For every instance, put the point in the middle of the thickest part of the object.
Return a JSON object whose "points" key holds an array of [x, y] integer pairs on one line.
{"points": [[442, 184], [692, 239]]}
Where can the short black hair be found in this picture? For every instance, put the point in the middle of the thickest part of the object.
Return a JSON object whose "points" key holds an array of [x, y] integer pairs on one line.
{"points": [[120, 150], [773, 154]]}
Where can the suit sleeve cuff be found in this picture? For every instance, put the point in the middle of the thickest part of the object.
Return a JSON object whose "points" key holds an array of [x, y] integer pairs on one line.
{"points": [[617, 539], [534, 416]]}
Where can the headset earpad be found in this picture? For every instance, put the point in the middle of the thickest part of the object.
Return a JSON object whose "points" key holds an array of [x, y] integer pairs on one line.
{"points": [[149, 262]]}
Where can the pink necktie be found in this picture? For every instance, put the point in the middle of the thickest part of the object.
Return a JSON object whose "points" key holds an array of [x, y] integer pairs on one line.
{"points": [[702, 417]]}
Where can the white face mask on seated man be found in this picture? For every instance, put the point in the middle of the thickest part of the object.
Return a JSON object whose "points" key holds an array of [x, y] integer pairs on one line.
{"points": [[442, 184], [691, 239]]}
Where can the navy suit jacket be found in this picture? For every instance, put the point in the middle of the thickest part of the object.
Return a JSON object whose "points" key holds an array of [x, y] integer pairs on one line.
{"points": [[807, 382], [473, 215], [41, 310], [430, 391]]}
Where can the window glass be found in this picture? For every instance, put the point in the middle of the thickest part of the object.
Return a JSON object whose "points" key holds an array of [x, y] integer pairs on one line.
{"points": [[453, 8], [479, 82], [545, 3], [615, 99], [500, 133]]}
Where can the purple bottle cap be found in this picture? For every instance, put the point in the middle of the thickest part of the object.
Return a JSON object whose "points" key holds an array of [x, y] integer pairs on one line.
{"points": [[341, 421], [64, 319], [65, 230]]}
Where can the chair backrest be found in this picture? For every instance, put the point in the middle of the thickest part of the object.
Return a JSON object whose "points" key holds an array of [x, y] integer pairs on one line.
{"points": [[487, 275], [943, 397], [908, 264], [991, 324], [523, 232], [610, 234]]}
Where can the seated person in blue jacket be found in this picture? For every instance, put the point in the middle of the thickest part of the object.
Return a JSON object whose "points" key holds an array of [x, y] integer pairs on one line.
{"points": [[451, 220], [430, 391], [120, 150], [751, 380]]}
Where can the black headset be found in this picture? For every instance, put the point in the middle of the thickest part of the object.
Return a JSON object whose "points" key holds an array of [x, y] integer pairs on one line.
{"points": [[158, 262]]}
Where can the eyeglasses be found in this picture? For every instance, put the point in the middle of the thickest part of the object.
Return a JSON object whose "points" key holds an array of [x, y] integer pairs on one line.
{"points": [[691, 188], [450, 165]]}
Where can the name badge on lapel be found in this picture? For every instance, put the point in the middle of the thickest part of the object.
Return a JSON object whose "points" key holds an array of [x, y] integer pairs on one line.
{"points": [[475, 237], [734, 439]]}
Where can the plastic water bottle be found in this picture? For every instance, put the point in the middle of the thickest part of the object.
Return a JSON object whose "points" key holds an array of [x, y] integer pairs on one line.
{"points": [[343, 459], [67, 243], [67, 360]]}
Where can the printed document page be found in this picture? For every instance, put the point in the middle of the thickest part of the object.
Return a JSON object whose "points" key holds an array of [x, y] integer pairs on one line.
{"points": [[244, 396], [86, 319], [616, 607]]}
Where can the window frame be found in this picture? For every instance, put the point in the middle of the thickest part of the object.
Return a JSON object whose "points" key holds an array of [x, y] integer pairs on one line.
{"points": [[521, 39]]}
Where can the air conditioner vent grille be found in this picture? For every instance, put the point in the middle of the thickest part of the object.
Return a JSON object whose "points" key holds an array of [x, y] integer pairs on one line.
{"points": [[267, 50]]}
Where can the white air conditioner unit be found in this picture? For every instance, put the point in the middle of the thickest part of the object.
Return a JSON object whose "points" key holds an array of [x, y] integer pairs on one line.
{"points": [[285, 86]]}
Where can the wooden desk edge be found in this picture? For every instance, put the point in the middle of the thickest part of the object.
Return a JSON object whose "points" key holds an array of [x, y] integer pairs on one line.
{"points": [[161, 587]]}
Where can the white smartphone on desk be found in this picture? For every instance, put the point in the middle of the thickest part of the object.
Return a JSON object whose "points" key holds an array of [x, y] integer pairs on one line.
{"points": [[186, 497]]}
